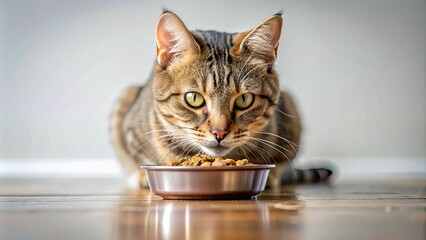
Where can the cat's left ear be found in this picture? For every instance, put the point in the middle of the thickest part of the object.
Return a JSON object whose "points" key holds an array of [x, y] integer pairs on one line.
{"points": [[262, 41]]}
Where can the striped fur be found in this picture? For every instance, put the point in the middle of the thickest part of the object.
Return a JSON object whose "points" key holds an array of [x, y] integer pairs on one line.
{"points": [[153, 124]]}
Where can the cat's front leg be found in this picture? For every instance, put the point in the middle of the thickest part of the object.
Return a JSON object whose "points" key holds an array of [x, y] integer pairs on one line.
{"points": [[137, 180], [275, 176]]}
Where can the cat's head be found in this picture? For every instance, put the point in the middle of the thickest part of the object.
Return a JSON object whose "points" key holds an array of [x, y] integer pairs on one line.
{"points": [[214, 90]]}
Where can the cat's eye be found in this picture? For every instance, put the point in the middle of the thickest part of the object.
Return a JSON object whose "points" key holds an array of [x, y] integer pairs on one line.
{"points": [[244, 101], [194, 99]]}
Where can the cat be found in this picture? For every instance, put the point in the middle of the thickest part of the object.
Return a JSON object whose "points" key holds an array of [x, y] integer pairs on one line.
{"points": [[214, 93]]}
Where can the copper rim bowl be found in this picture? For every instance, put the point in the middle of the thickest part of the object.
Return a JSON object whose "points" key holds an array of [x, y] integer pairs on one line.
{"points": [[229, 182]]}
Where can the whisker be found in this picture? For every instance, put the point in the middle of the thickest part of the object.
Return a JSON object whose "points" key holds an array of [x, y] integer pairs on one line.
{"points": [[178, 143], [244, 65], [145, 122], [139, 136], [270, 142], [156, 138], [300, 149], [243, 151], [157, 153], [259, 149], [190, 150], [254, 155], [183, 154], [267, 143], [282, 138], [284, 113]]}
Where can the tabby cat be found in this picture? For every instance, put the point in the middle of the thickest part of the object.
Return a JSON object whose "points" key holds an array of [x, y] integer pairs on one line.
{"points": [[210, 92]]}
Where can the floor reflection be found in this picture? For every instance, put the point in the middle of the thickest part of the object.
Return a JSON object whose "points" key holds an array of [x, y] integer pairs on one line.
{"points": [[203, 220], [306, 212]]}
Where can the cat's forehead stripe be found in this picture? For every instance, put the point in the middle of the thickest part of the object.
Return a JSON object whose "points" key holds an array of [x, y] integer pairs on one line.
{"points": [[219, 61]]}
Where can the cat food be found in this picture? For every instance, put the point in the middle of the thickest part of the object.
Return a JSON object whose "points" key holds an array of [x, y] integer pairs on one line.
{"points": [[207, 161]]}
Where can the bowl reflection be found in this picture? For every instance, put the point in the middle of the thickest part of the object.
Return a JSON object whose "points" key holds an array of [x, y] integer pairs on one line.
{"points": [[199, 220]]}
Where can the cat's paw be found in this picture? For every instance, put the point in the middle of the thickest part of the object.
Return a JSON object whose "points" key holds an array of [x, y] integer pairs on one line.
{"points": [[137, 180]]}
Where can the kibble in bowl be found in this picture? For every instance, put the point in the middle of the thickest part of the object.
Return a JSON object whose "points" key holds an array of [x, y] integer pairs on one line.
{"points": [[207, 161]]}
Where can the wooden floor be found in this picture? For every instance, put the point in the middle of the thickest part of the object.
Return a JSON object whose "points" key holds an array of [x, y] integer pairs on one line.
{"points": [[106, 209]]}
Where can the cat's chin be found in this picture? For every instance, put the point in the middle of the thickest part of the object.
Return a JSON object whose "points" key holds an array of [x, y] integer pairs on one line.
{"points": [[216, 151]]}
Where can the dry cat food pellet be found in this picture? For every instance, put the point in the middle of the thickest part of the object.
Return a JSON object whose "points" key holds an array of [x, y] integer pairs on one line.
{"points": [[207, 161]]}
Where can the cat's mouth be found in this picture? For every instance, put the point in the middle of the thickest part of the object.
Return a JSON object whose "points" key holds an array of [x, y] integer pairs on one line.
{"points": [[216, 149]]}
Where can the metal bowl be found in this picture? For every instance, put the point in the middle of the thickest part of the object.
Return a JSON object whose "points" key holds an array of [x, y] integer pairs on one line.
{"points": [[229, 182]]}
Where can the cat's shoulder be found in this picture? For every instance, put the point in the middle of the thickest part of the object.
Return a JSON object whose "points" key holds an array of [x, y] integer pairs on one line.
{"points": [[129, 95], [288, 108], [287, 100], [125, 101]]}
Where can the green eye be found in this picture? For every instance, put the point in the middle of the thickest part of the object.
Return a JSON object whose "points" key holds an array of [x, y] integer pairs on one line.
{"points": [[194, 99], [244, 101]]}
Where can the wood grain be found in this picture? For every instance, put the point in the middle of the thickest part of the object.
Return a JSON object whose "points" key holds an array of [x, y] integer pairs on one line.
{"points": [[106, 209]]}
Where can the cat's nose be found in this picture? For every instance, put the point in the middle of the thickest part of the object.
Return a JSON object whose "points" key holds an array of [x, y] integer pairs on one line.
{"points": [[219, 134]]}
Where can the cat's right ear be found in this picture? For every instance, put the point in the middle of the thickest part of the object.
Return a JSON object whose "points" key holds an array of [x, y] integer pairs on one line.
{"points": [[174, 41], [261, 41]]}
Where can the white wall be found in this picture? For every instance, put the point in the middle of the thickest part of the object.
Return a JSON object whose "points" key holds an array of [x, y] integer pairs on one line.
{"points": [[357, 69]]}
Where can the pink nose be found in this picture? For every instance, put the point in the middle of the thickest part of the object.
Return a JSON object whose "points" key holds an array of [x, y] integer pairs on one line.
{"points": [[219, 134]]}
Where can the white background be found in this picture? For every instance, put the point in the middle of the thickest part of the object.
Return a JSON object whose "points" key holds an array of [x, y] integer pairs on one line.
{"points": [[356, 68]]}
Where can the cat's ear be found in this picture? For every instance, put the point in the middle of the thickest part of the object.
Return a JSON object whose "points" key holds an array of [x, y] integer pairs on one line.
{"points": [[262, 41], [174, 41]]}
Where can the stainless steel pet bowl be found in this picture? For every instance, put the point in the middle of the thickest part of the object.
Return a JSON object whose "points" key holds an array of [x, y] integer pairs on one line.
{"points": [[228, 182]]}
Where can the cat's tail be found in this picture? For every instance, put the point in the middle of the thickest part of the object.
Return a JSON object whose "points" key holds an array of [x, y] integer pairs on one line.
{"points": [[313, 175]]}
